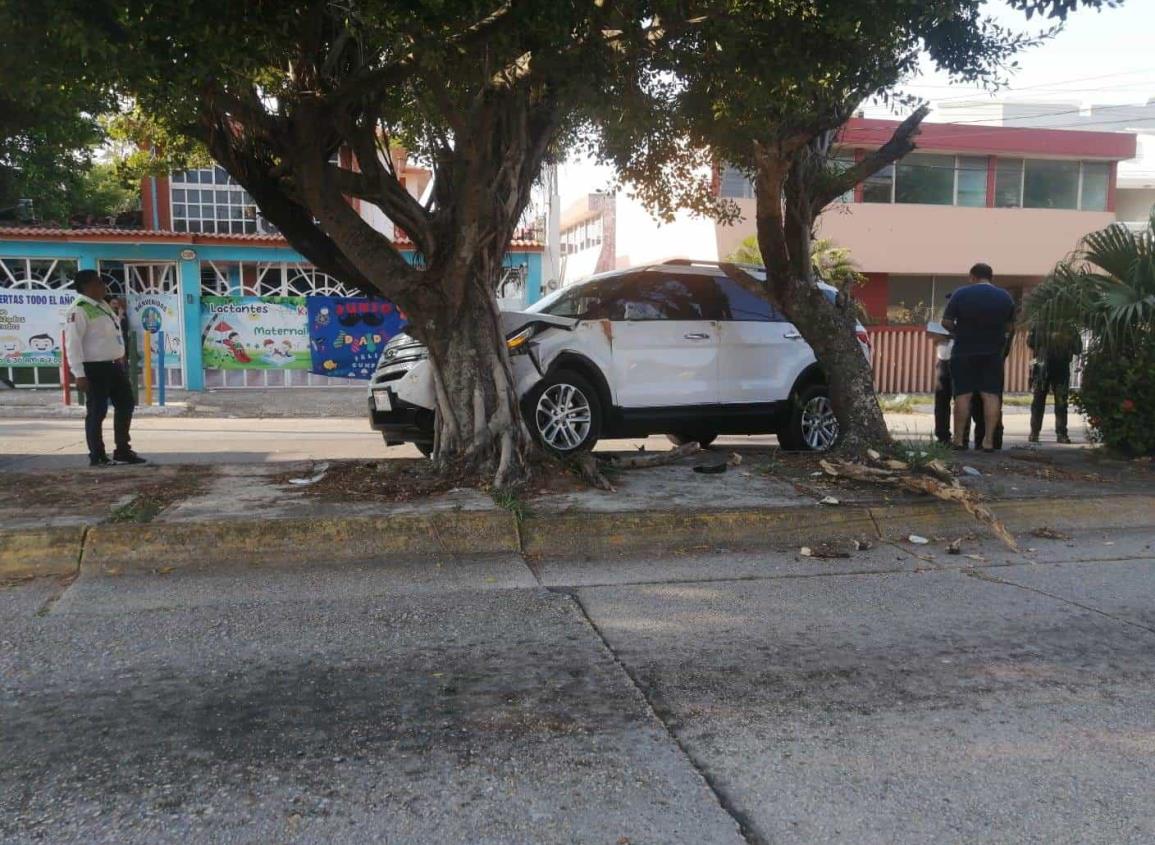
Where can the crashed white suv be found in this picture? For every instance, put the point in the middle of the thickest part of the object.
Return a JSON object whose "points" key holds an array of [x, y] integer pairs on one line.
{"points": [[677, 348]]}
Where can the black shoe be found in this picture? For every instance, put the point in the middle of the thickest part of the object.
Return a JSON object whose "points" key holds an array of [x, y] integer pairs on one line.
{"points": [[1034, 438], [1062, 438], [127, 457], [102, 461]]}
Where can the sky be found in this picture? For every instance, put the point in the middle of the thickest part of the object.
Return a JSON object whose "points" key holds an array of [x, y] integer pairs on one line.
{"points": [[1104, 57]]}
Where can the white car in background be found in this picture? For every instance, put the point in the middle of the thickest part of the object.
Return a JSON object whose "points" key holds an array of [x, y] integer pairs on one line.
{"points": [[678, 348]]}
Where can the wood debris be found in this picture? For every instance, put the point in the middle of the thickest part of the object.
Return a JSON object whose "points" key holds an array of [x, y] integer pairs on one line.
{"points": [[932, 479], [1046, 533]]}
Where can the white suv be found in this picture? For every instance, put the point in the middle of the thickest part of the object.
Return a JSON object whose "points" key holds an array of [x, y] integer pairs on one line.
{"points": [[677, 348]]}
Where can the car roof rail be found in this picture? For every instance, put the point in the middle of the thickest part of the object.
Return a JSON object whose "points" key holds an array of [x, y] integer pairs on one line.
{"points": [[693, 262]]}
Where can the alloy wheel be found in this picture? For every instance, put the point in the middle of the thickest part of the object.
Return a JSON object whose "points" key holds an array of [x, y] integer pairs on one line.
{"points": [[819, 425], [563, 417]]}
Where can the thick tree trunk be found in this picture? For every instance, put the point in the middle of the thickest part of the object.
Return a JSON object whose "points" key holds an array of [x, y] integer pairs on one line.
{"points": [[478, 424], [784, 225]]}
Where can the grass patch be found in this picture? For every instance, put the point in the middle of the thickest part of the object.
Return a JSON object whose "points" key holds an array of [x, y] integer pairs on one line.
{"points": [[902, 403], [139, 510], [920, 452], [511, 502]]}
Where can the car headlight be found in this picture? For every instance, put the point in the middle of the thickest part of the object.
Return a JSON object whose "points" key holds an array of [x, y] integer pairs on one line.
{"points": [[518, 341]]}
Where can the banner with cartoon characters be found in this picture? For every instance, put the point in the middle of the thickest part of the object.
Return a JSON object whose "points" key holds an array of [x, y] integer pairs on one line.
{"points": [[158, 312], [346, 334], [30, 325], [255, 332]]}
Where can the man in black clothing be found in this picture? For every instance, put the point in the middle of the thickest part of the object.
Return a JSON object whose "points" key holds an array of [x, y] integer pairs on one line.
{"points": [[980, 316], [1051, 372]]}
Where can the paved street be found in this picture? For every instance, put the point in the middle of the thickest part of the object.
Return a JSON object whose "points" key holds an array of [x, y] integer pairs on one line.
{"points": [[887, 698], [28, 444]]}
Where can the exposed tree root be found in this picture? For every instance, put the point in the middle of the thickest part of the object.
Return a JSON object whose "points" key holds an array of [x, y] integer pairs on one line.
{"points": [[590, 468], [937, 481]]}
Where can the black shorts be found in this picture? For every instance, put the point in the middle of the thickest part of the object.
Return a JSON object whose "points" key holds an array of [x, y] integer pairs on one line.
{"points": [[977, 373]]}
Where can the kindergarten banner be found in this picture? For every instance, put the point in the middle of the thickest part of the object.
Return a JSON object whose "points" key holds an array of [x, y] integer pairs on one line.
{"points": [[346, 334], [30, 325], [158, 312], [255, 332]]}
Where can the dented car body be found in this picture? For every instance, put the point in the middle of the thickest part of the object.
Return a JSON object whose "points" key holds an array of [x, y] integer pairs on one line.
{"points": [[680, 349]]}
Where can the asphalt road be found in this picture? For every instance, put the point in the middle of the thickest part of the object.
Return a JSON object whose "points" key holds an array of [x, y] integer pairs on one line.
{"points": [[729, 698], [28, 445]]}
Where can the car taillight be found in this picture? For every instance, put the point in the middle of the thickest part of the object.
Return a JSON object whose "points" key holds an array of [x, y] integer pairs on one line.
{"points": [[864, 337]]}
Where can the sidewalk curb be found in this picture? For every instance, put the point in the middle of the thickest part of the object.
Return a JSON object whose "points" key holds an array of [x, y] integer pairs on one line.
{"points": [[123, 548], [135, 548], [40, 551]]}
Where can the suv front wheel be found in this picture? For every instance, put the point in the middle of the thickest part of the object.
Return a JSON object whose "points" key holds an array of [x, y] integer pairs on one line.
{"points": [[564, 413], [811, 426]]}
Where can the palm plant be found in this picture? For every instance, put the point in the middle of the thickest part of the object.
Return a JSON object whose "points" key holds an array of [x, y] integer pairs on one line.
{"points": [[832, 263], [1106, 288]]}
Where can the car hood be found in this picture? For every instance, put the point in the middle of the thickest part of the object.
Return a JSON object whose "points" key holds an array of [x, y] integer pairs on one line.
{"points": [[514, 321]]}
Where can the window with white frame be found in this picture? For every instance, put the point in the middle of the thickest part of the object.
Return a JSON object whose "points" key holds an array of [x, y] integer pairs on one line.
{"points": [[1052, 183], [208, 200], [930, 179], [734, 184], [37, 273]]}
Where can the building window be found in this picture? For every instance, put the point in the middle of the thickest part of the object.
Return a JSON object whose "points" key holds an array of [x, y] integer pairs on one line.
{"points": [[736, 184], [1051, 184], [209, 200], [1096, 182], [1009, 183], [925, 179], [880, 186], [971, 181]]}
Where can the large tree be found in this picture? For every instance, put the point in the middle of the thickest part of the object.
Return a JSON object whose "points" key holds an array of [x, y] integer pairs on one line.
{"points": [[481, 91], [766, 86], [52, 90]]}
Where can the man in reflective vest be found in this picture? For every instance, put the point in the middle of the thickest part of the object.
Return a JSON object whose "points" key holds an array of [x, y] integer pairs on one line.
{"points": [[95, 346]]}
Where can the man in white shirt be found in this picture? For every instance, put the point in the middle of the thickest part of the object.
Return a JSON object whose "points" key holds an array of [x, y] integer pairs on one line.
{"points": [[95, 347]]}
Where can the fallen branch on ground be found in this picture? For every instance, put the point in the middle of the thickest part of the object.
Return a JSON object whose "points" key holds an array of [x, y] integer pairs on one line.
{"points": [[948, 491], [654, 459]]}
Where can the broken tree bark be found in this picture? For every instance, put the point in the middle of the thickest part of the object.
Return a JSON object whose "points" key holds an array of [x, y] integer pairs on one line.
{"points": [[947, 491]]}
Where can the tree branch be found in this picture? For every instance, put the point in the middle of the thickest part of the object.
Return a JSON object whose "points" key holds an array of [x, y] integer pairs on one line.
{"points": [[900, 143]]}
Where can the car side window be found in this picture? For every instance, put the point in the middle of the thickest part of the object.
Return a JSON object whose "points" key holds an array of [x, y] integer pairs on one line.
{"points": [[593, 301], [660, 296], [743, 305]]}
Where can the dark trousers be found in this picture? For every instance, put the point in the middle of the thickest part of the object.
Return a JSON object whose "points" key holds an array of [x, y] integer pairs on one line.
{"points": [[107, 382], [1051, 377]]}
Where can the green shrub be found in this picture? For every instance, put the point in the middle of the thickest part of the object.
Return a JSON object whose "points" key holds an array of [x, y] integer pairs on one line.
{"points": [[1118, 396]]}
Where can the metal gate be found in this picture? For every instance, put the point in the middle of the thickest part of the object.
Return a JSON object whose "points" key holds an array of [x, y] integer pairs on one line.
{"points": [[36, 274], [134, 279], [270, 278]]}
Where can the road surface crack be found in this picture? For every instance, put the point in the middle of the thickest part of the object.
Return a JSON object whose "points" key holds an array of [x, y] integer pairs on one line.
{"points": [[986, 576], [745, 826]]}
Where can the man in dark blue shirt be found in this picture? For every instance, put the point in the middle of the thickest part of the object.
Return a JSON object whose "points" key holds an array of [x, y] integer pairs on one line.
{"points": [[980, 316]]}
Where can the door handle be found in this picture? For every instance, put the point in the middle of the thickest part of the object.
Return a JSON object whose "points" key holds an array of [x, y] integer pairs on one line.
{"points": [[792, 336], [696, 336]]}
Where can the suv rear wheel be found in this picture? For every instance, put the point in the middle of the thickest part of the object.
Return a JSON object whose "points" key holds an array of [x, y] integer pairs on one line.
{"points": [[811, 426], [564, 412]]}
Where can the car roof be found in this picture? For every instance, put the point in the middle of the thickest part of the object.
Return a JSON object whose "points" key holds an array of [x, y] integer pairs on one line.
{"points": [[688, 266]]}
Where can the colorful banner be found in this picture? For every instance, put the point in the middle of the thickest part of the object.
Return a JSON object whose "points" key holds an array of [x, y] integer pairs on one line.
{"points": [[31, 322], [158, 312], [255, 332], [346, 335]]}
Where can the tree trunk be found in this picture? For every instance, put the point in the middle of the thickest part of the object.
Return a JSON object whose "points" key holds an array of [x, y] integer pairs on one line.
{"points": [[478, 426], [784, 225]]}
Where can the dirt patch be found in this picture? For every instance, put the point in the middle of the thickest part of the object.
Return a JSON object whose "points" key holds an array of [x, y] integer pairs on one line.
{"points": [[407, 480], [131, 492]]}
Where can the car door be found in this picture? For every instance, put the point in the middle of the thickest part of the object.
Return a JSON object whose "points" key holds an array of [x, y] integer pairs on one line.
{"points": [[760, 354], [665, 341]]}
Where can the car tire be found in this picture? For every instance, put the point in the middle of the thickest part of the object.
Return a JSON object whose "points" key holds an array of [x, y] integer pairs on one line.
{"points": [[703, 439], [810, 425], [564, 413]]}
